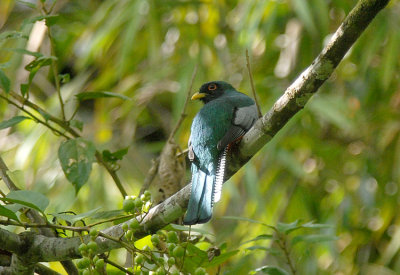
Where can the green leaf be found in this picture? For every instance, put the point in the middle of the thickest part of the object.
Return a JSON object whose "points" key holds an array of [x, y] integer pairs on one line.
{"points": [[316, 225], [92, 95], [194, 257], [24, 88], [271, 250], [12, 34], [286, 228], [315, 238], [18, 177], [33, 67], [5, 212], [272, 270], [74, 218], [221, 258], [108, 214], [112, 157], [259, 237], [242, 219], [77, 124], [4, 82], [64, 78], [76, 157], [177, 227], [28, 4], [31, 199], [40, 62], [12, 121], [257, 247], [23, 51], [50, 20]]}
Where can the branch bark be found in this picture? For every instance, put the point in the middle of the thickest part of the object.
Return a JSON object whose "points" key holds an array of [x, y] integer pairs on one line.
{"points": [[294, 99]]}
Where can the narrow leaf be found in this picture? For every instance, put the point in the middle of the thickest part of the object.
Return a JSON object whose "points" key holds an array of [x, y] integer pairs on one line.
{"points": [[4, 82], [260, 237], [93, 95], [316, 225], [118, 155], [272, 250], [74, 218], [221, 258], [76, 157], [5, 212], [12, 121], [31, 199], [242, 219], [288, 227], [108, 214], [317, 238], [12, 34], [28, 4], [50, 19], [272, 270], [23, 51]]}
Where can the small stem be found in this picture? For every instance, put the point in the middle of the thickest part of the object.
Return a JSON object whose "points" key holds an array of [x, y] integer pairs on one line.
{"points": [[117, 266], [53, 62], [110, 220], [150, 175], [35, 118], [55, 73], [45, 225], [252, 84], [4, 176], [112, 173], [183, 115], [282, 244]]}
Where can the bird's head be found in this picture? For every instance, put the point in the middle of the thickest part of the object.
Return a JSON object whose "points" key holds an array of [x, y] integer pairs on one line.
{"points": [[212, 90]]}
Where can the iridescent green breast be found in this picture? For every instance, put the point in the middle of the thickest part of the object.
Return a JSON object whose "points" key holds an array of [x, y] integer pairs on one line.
{"points": [[208, 127]]}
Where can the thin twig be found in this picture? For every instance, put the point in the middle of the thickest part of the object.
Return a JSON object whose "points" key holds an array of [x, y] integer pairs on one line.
{"points": [[112, 173], [55, 73], [117, 266], [282, 244], [45, 225], [54, 64], [111, 220], [183, 114], [3, 174], [150, 175], [252, 84], [65, 125], [35, 118]]}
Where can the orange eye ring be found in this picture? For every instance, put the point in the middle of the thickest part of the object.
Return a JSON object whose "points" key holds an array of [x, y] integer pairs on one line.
{"points": [[212, 87]]}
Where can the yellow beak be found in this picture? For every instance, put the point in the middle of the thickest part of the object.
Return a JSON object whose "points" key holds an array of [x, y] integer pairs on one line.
{"points": [[198, 96]]}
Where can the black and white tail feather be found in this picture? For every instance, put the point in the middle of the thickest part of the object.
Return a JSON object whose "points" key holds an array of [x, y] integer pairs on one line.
{"points": [[220, 176]]}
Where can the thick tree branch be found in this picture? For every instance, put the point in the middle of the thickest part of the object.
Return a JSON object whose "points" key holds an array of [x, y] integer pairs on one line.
{"points": [[43, 248], [291, 102], [34, 216], [297, 95]]}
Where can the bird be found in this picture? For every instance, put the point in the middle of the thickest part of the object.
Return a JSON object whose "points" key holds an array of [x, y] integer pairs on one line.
{"points": [[226, 116]]}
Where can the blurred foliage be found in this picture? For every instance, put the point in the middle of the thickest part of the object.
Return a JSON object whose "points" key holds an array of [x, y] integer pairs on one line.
{"points": [[337, 162]]}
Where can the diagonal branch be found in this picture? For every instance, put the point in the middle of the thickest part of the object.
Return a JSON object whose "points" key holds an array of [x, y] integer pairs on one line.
{"points": [[292, 101]]}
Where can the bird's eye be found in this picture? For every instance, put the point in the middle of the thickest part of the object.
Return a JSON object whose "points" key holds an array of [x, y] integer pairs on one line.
{"points": [[212, 87]]}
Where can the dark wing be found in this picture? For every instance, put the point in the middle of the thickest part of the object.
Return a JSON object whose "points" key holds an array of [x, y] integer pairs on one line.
{"points": [[243, 119]]}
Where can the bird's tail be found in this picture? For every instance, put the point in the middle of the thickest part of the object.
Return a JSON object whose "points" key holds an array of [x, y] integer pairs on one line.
{"points": [[205, 191]]}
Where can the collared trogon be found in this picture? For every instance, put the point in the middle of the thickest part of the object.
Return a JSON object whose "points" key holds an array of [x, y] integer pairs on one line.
{"points": [[225, 117]]}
